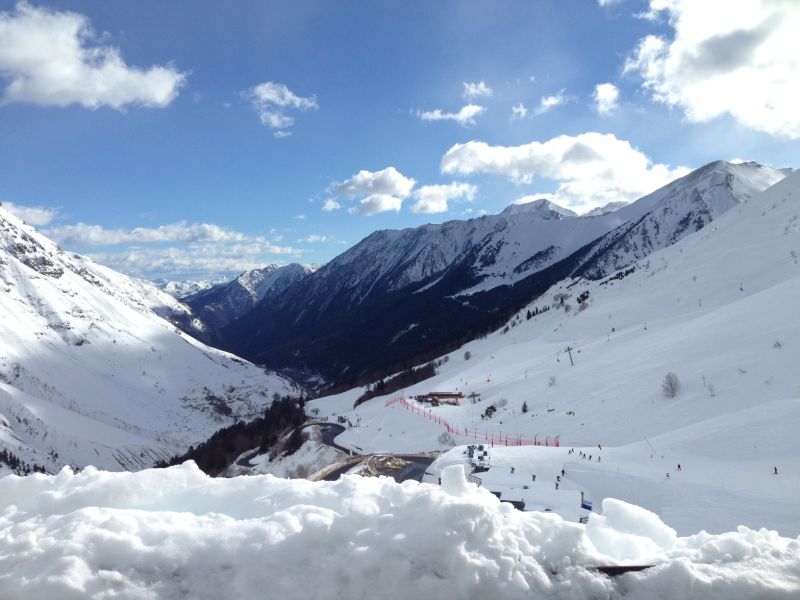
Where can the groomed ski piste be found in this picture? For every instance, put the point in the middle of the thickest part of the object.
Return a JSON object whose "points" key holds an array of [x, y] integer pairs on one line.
{"points": [[718, 309]]}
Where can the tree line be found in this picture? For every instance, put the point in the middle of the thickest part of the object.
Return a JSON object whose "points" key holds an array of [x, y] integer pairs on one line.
{"points": [[218, 452]]}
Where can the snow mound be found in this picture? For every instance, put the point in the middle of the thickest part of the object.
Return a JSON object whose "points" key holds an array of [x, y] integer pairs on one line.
{"points": [[179, 533]]}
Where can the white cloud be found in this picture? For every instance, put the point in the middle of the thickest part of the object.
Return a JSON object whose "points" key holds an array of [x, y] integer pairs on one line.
{"points": [[434, 198], [592, 168], [388, 181], [199, 259], [378, 203], [32, 215], [465, 116], [273, 100], [519, 111], [743, 62], [81, 234], [49, 60], [300, 217], [548, 102], [605, 98], [330, 205], [380, 191], [477, 90], [313, 238], [608, 2]]}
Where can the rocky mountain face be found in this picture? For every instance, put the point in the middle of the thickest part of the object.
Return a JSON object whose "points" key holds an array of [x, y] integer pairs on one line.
{"points": [[220, 304]]}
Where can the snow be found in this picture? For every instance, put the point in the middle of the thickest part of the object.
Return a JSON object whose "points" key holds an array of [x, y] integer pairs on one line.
{"points": [[92, 373], [181, 289], [159, 534], [222, 303], [717, 308]]}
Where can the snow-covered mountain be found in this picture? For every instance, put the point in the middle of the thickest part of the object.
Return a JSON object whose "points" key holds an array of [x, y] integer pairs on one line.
{"points": [[678, 210], [718, 309], [90, 372], [545, 209], [606, 208], [220, 304], [181, 289], [399, 293]]}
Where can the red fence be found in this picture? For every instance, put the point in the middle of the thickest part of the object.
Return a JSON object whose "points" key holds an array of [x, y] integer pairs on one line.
{"points": [[491, 438]]}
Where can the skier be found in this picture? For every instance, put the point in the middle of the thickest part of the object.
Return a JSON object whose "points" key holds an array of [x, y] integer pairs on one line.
{"points": [[679, 466], [775, 471], [563, 472], [598, 458], [667, 475], [556, 485], [590, 457]]}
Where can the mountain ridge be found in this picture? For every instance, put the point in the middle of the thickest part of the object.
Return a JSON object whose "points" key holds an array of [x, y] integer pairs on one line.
{"points": [[445, 278]]}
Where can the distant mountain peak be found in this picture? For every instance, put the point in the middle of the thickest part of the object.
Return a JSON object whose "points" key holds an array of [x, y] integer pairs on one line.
{"points": [[545, 209], [606, 208]]}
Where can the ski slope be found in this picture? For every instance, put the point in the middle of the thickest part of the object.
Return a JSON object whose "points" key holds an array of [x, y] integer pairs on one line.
{"points": [[718, 308]]}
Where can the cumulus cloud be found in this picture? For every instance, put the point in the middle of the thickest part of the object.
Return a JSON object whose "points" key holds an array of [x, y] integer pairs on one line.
{"points": [[465, 116], [519, 111], [548, 102], [32, 215], [273, 100], [605, 98], [52, 58], [434, 198], [330, 205], [388, 181], [378, 203], [81, 234], [592, 168], [313, 238], [741, 62], [477, 90], [207, 260]]}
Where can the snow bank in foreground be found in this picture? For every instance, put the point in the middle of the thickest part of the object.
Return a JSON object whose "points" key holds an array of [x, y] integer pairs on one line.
{"points": [[178, 533]]}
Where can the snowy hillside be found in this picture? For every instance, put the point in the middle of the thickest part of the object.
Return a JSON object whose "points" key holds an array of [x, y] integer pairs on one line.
{"points": [[91, 374], [220, 304], [422, 287], [718, 309]]}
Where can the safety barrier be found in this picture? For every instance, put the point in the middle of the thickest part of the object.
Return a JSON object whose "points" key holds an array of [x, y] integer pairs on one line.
{"points": [[488, 437]]}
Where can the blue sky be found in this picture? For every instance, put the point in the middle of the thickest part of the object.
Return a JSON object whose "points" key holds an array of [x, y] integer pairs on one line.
{"points": [[190, 139]]}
